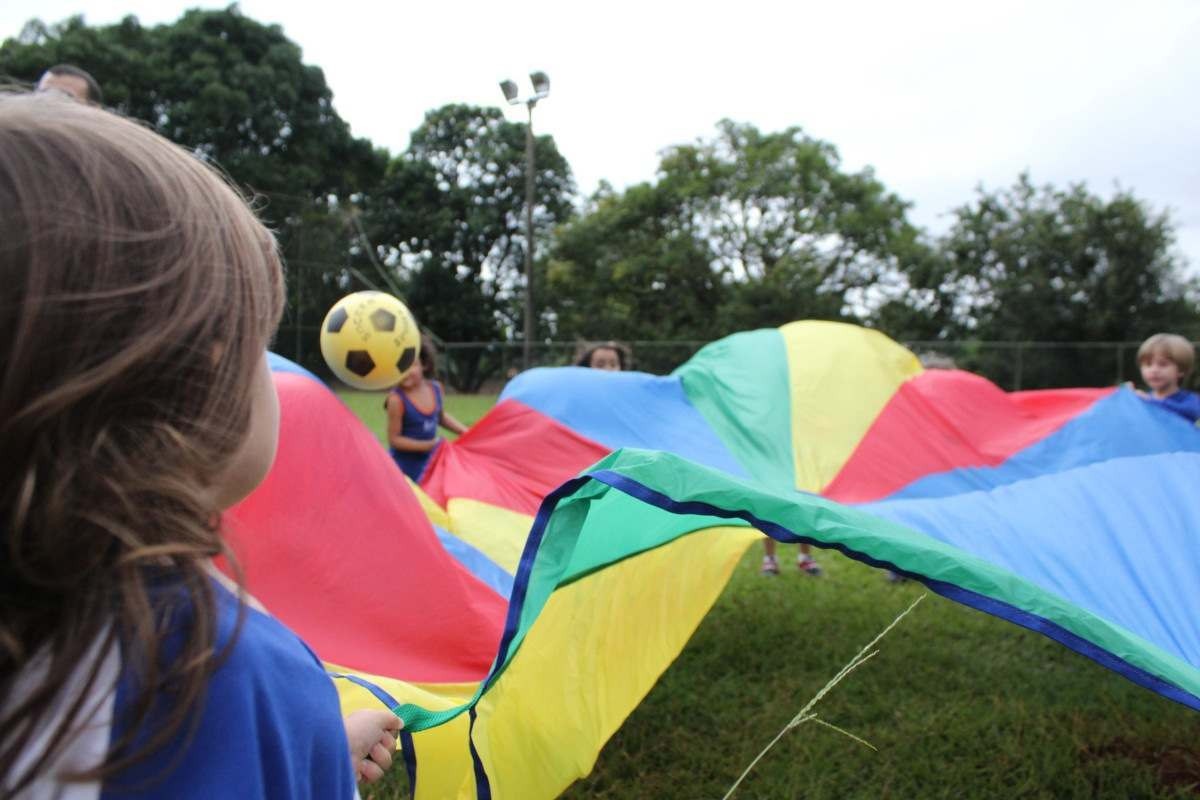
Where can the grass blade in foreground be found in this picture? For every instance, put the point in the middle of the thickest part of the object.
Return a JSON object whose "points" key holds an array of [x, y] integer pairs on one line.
{"points": [[804, 715]]}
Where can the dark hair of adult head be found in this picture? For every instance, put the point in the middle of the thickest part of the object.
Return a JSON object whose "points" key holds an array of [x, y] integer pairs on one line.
{"points": [[94, 94], [139, 294], [584, 356]]}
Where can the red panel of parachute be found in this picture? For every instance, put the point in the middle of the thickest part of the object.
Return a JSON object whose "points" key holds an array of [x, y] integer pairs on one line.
{"points": [[356, 566], [511, 458], [948, 419]]}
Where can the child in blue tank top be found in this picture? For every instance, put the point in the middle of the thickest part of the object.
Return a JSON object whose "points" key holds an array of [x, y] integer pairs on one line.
{"points": [[415, 410]]}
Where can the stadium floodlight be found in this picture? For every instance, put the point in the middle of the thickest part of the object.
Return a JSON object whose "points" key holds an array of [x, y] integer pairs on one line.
{"points": [[541, 89], [541, 83]]}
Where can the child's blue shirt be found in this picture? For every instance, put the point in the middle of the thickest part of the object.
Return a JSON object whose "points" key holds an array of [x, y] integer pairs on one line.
{"points": [[1184, 403], [270, 725]]}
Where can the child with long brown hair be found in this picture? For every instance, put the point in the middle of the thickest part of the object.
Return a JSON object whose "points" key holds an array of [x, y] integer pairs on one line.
{"points": [[139, 295]]}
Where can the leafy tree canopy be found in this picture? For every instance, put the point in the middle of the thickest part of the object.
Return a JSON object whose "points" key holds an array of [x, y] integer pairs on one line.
{"points": [[629, 269], [762, 228], [234, 90], [1031, 263], [1039, 263], [237, 93], [449, 220], [745, 229]]}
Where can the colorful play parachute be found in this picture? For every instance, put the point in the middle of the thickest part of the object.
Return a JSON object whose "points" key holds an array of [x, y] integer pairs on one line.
{"points": [[517, 606]]}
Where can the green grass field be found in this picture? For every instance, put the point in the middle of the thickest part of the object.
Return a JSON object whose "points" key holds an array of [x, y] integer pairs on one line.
{"points": [[960, 704]]}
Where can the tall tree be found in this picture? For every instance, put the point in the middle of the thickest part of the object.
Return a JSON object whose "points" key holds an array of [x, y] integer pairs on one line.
{"points": [[236, 92], [793, 233], [746, 230], [629, 269], [233, 89], [1033, 263], [449, 219]]}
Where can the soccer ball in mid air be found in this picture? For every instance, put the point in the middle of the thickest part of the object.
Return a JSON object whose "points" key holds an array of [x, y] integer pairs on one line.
{"points": [[369, 340]]}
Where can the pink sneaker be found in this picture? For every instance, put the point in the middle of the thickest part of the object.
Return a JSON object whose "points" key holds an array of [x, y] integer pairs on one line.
{"points": [[807, 564], [769, 566]]}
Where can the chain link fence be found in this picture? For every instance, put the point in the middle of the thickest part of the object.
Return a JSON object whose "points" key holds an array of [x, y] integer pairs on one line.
{"points": [[484, 367], [1037, 365]]}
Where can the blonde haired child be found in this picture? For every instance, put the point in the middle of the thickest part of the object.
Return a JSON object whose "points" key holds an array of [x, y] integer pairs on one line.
{"points": [[1165, 360]]}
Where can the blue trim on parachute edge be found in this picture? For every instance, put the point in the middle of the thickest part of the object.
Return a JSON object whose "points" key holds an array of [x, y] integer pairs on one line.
{"points": [[406, 741], [476, 562], [1110, 538], [1064, 637], [516, 602], [645, 494], [483, 787], [512, 621], [989, 605], [278, 363], [380, 695], [409, 751]]}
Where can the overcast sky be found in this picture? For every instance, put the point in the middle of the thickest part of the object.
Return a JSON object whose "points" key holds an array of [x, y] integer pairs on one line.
{"points": [[938, 97]]}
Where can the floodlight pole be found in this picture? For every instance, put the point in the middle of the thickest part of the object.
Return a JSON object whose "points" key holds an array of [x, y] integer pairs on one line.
{"points": [[529, 327], [541, 88]]}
